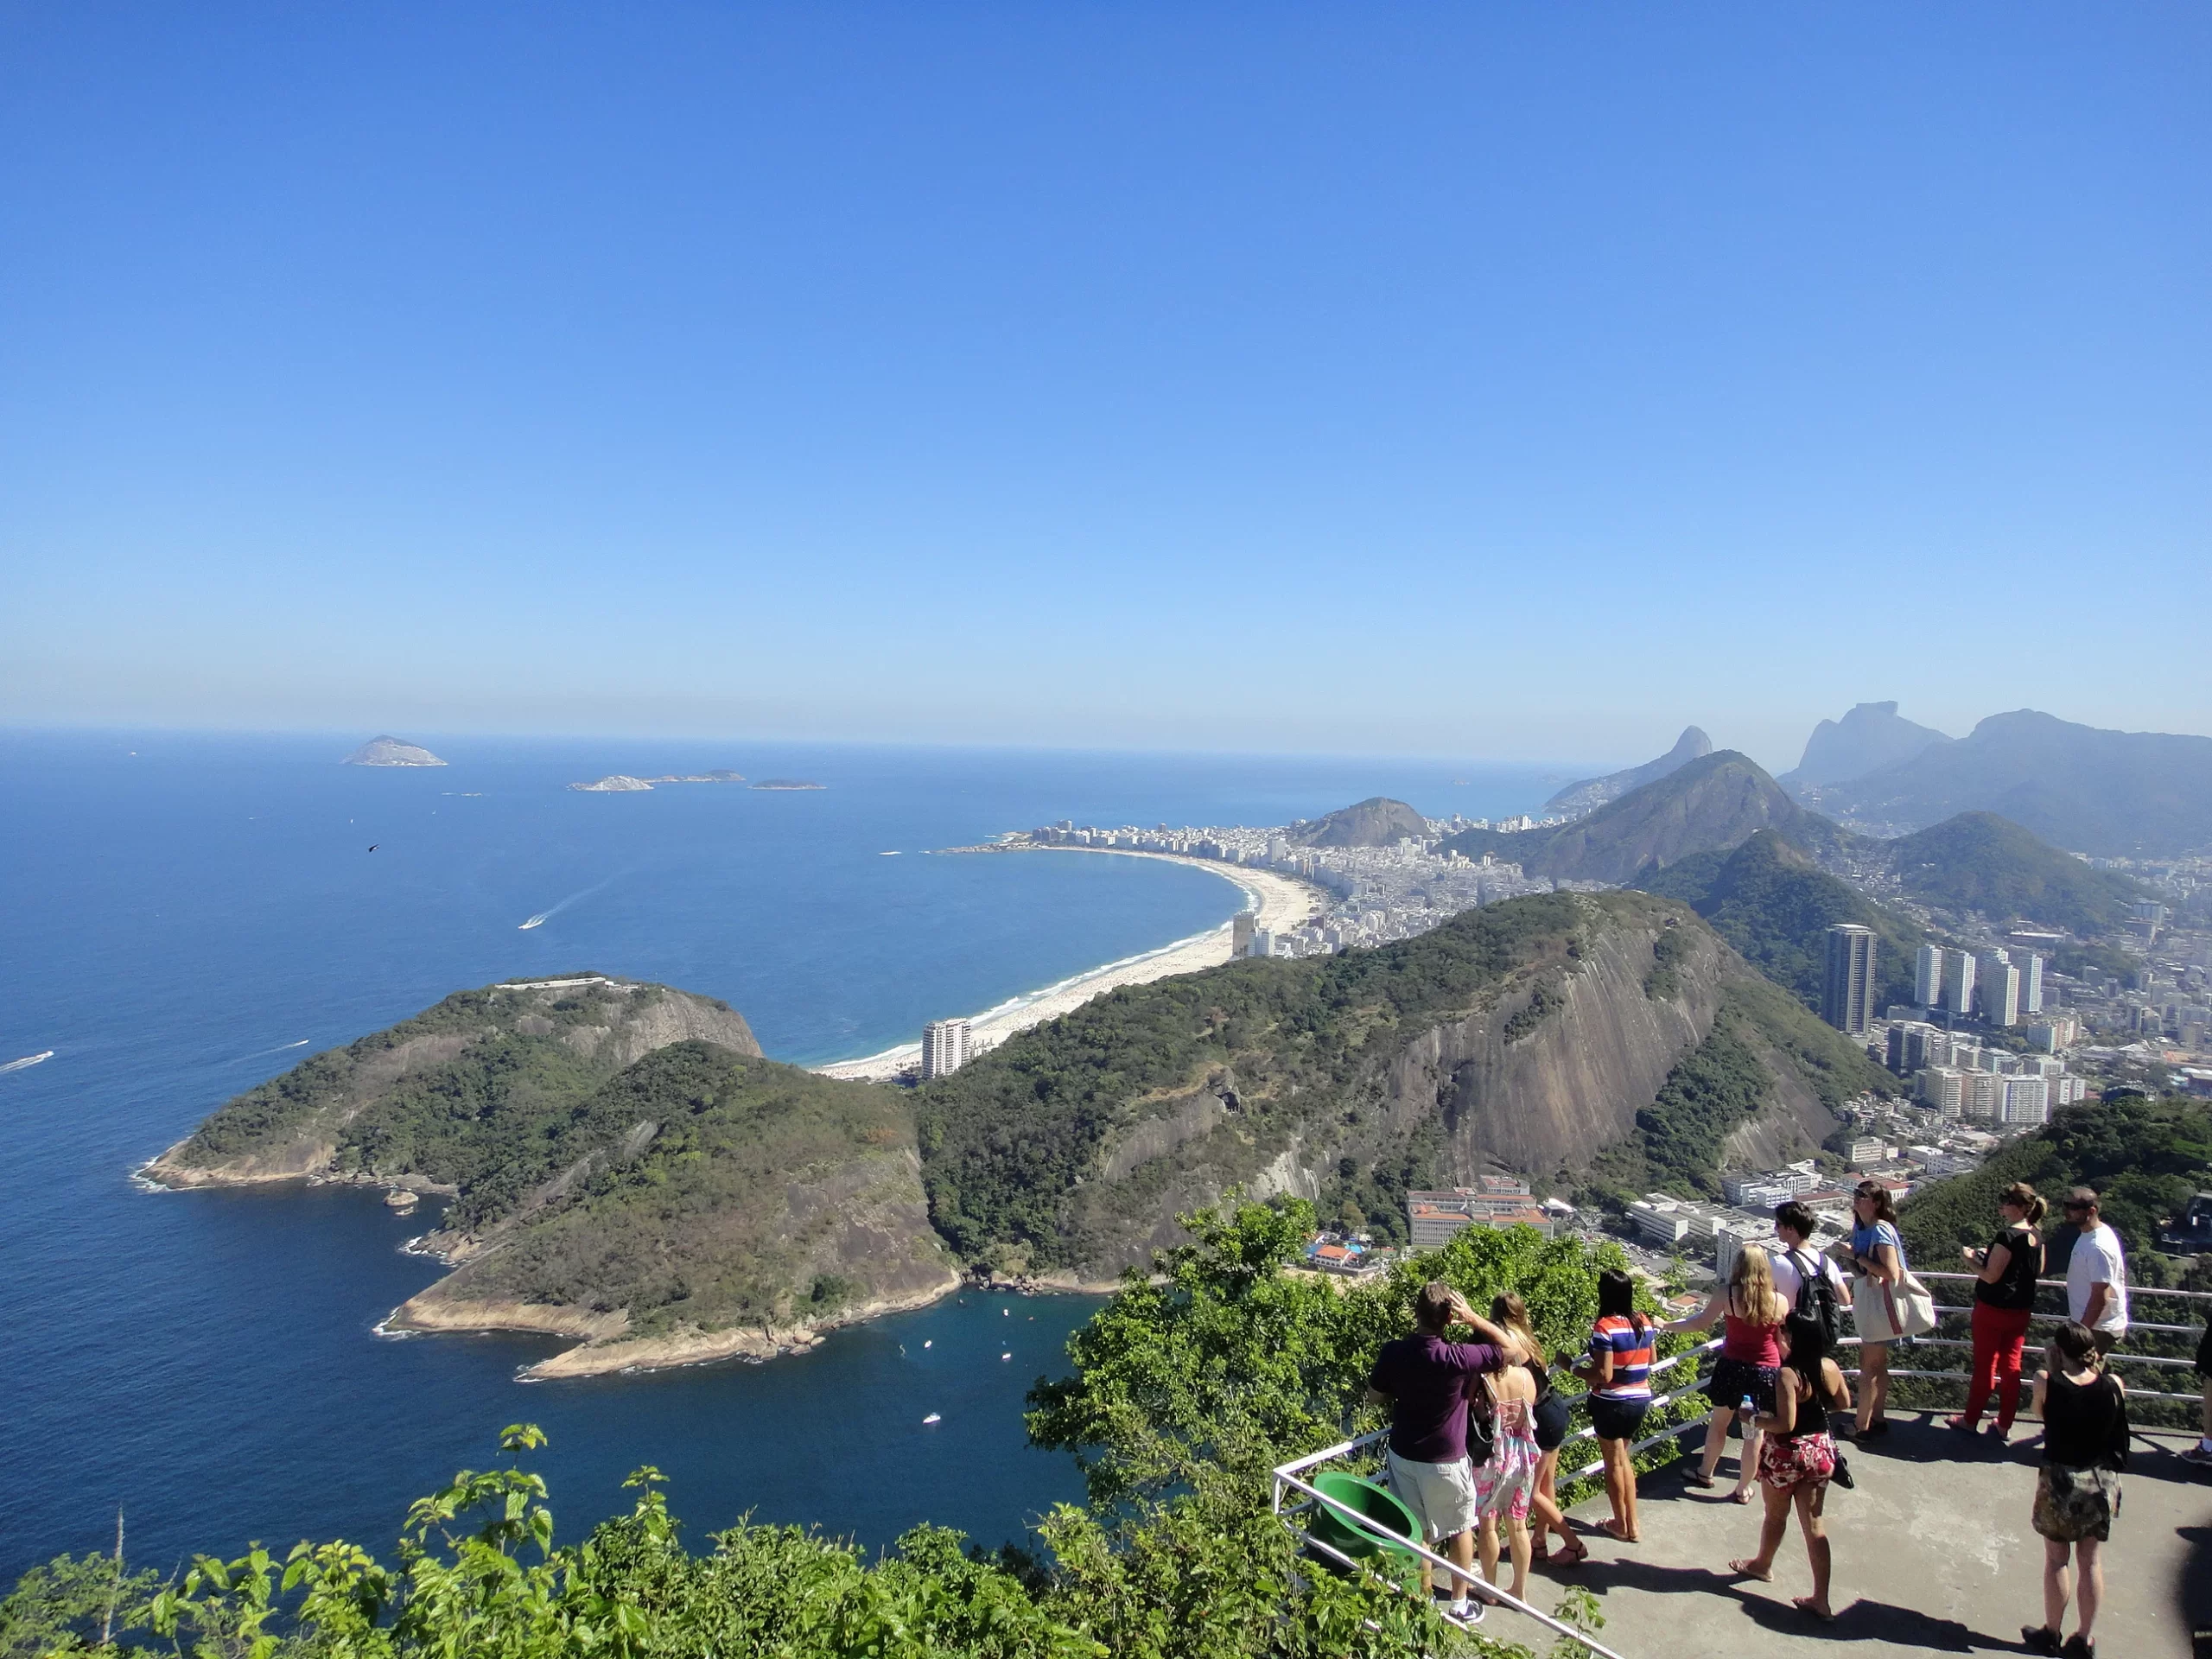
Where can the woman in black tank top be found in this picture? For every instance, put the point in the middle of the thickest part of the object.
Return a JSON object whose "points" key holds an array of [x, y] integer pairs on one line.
{"points": [[2004, 1301], [2084, 1410]]}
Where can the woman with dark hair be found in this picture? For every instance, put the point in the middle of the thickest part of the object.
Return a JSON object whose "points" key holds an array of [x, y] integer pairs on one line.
{"points": [[2084, 1412], [1623, 1344], [1510, 1314], [1797, 1459], [1879, 1253], [2002, 1301]]}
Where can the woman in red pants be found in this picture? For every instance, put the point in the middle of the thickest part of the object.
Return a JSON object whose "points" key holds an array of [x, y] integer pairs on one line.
{"points": [[2003, 1302]]}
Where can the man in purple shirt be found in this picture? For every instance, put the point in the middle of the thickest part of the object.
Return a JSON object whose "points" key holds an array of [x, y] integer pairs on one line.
{"points": [[1425, 1381]]}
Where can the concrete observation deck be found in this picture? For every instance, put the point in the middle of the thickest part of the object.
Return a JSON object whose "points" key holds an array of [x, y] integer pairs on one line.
{"points": [[1933, 1552]]}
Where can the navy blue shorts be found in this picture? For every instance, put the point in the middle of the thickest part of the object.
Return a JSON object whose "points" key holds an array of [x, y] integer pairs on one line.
{"points": [[1618, 1420]]}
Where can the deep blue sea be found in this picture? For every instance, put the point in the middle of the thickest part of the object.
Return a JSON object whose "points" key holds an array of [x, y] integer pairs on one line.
{"points": [[182, 917]]}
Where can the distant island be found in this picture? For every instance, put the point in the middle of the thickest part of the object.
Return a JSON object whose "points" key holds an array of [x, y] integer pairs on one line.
{"points": [[392, 752], [787, 783], [622, 783]]}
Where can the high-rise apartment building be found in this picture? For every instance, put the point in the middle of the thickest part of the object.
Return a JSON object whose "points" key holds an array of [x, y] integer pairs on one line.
{"points": [[1848, 999], [1240, 933], [1998, 988], [945, 1047], [1958, 981], [1943, 1088], [2027, 1100], [2031, 967], [1928, 977]]}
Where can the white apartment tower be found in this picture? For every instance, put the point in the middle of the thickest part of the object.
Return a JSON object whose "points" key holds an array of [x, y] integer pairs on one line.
{"points": [[2031, 967], [1999, 983], [1928, 977], [1958, 981], [945, 1047]]}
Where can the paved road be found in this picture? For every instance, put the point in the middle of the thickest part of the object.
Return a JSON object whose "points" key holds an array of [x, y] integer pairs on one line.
{"points": [[1933, 1552]]}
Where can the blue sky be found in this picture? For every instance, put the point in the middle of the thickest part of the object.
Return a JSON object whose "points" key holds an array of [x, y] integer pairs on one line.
{"points": [[1503, 381]]}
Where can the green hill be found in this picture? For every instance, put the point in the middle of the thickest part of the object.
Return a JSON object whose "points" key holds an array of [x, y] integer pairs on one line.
{"points": [[1376, 822], [1978, 861], [2144, 1157], [1775, 906]]}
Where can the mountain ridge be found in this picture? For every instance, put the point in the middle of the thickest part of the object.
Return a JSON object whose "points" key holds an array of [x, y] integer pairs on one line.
{"points": [[1591, 793]]}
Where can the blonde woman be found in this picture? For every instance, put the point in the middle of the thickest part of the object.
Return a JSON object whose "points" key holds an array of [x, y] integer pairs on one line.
{"points": [[1510, 1314], [1750, 1310]]}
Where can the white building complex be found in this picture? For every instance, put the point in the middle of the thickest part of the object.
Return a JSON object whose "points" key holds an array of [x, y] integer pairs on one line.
{"points": [[945, 1048]]}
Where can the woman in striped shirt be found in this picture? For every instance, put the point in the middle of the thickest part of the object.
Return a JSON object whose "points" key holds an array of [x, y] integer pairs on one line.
{"points": [[1617, 1368]]}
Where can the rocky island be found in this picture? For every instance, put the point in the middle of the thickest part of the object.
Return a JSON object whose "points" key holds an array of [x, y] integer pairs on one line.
{"points": [[622, 783], [622, 1168], [392, 752], [787, 783]]}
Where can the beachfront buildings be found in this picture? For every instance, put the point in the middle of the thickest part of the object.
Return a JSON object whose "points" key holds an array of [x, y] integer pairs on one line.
{"points": [[1380, 893], [945, 1048]]}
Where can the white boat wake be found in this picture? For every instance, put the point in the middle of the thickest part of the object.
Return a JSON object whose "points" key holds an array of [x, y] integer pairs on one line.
{"points": [[545, 916], [27, 1061]]}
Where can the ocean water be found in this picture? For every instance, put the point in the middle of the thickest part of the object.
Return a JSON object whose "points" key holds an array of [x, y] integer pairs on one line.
{"points": [[182, 917]]}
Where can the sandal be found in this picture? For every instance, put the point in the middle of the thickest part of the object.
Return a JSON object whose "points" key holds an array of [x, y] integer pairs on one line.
{"points": [[2039, 1638], [1741, 1495], [1611, 1529], [1959, 1424], [1746, 1569], [1806, 1605], [1572, 1553], [1697, 1478]]}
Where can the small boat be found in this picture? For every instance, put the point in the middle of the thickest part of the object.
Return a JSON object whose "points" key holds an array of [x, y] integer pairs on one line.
{"points": [[535, 921], [28, 1059], [930, 1342], [931, 1418], [1005, 1355]]}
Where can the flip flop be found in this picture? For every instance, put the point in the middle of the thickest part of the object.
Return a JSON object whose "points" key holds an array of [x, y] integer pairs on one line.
{"points": [[1804, 1605], [1743, 1497], [1611, 1529], [1743, 1570]]}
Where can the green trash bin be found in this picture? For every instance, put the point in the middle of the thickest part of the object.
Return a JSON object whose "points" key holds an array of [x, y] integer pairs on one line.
{"points": [[1373, 1503]]}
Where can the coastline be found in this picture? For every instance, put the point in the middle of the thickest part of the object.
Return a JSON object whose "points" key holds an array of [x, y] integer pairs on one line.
{"points": [[1281, 903]]}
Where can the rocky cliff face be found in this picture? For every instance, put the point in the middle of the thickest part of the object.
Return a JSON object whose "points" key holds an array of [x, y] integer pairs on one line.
{"points": [[1546, 1068]]}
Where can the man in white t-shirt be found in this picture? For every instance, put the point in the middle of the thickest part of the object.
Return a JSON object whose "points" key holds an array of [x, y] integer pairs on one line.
{"points": [[2096, 1274], [1794, 1225]]}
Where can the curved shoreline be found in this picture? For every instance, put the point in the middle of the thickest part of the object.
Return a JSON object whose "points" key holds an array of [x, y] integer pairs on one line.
{"points": [[1280, 902]]}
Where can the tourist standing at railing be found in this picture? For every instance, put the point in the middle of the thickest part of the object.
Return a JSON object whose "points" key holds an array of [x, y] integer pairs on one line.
{"points": [[2004, 1301], [1510, 1313], [1623, 1343], [2200, 1453], [1750, 1312], [2084, 1412], [2096, 1274], [1424, 1379], [1505, 1481], [1797, 1459], [1878, 1255]]}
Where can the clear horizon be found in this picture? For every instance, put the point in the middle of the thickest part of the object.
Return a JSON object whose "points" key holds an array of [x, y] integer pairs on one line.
{"points": [[1219, 380]]}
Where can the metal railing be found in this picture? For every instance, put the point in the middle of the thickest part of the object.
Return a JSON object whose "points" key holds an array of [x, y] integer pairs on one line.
{"points": [[1944, 1310], [1288, 1479]]}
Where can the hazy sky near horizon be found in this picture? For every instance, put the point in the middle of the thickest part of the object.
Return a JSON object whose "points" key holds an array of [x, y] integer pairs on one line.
{"points": [[1506, 381]]}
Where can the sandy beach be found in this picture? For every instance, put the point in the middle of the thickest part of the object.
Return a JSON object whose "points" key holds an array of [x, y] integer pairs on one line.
{"points": [[1280, 902]]}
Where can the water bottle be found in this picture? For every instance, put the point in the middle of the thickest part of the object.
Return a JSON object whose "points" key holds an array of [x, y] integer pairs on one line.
{"points": [[1748, 1408]]}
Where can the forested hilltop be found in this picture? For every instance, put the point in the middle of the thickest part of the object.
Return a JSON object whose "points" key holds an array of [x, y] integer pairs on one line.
{"points": [[1534, 1035]]}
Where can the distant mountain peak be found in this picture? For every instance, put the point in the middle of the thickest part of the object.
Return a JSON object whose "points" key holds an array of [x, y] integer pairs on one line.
{"points": [[1594, 792], [1872, 736]]}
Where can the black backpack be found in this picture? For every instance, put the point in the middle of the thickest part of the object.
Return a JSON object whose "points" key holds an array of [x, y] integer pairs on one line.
{"points": [[1816, 1295]]}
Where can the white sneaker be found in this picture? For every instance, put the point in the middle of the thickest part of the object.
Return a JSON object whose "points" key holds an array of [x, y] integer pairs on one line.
{"points": [[1467, 1612]]}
